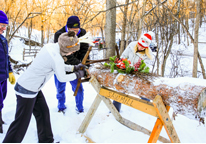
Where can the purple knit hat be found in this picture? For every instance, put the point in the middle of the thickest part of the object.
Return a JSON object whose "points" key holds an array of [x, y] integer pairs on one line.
{"points": [[3, 18], [73, 22]]}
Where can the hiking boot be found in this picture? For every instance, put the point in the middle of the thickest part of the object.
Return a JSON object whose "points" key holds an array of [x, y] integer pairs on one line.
{"points": [[79, 111], [62, 110]]}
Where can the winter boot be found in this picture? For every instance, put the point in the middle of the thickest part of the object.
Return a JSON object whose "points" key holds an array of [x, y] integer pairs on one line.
{"points": [[1, 123], [1, 120], [79, 111], [62, 110]]}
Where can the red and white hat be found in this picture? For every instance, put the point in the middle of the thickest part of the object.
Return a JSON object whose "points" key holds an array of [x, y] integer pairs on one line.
{"points": [[145, 39]]}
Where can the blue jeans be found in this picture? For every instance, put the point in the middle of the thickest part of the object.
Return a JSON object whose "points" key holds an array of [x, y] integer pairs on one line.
{"points": [[60, 86]]}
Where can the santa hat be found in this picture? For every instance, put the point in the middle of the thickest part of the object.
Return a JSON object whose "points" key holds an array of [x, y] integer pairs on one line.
{"points": [[146, 39]]}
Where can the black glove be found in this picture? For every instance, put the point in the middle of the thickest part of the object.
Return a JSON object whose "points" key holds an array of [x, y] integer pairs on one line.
{"points": [[80, 73], [79, 67]]}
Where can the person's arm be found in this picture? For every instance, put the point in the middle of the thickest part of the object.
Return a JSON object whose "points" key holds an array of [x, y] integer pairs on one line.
{"points": [[59, 70], [56, 36], [9, 64], [149, 63], [126, 52], [69, 68]]}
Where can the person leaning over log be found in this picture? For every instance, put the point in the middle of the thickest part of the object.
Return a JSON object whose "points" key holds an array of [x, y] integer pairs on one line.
{"points": [[30, 98], [5, 70], [138, 50]]}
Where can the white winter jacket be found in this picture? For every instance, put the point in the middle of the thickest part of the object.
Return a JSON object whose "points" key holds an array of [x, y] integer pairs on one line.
{"points": [[130, 54], [47, 63]]}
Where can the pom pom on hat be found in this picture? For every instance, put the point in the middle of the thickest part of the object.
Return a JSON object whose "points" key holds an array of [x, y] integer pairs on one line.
{"points": [[68, 42], [73, 22], [3, 18]]}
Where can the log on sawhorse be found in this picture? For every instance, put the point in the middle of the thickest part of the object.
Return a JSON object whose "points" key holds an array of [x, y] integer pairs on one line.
{"points": [[157, 109]]}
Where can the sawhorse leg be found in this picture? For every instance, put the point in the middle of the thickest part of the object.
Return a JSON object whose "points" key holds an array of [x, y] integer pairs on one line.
{"points": [[163, 120], [157, 129]]}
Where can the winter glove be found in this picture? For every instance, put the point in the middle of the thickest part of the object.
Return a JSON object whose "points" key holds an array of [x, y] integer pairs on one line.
{"points": [[80, 73], [12, 79], [79, 67]]}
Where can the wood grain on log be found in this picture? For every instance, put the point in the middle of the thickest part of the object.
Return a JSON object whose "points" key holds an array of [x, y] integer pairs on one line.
{"points": [[185, 98]]}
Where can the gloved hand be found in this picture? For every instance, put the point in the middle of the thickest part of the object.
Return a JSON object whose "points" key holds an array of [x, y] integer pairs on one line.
{"points": [[80, 73], [12, 79], [79, 67]]}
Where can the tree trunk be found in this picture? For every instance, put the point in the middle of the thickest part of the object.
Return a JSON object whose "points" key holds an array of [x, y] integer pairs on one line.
{"points": [[124, 28], [102, 32], [141, 19], [194, 71], [185, 95], [110, 28], [29, 33], [42, 35], [178, 24], [7, 33], [167, 55], [48, 31]]}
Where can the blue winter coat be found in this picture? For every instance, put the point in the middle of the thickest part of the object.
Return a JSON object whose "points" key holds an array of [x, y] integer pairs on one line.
{"points": [[5, 66]]}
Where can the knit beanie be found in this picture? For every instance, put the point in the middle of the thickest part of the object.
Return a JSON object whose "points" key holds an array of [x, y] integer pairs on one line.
{"points": [[3, 18], [68, 42], [73, 22]]}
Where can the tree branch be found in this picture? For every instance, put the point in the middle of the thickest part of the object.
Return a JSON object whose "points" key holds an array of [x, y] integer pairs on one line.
{"points": [[110, 9], [27, 17]]}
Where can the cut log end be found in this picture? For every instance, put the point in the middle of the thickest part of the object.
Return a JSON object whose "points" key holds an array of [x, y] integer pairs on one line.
{"points": [[120, 78], [202, 104]]}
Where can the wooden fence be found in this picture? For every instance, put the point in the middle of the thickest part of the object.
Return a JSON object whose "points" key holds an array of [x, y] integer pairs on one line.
{"points": [[30, 53]]}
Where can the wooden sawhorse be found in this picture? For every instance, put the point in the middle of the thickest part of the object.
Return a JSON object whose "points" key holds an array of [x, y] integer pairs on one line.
{"points": [[157, 109]]}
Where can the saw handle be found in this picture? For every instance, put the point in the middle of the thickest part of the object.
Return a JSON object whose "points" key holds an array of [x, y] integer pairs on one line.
{"points": [[83, 62]]}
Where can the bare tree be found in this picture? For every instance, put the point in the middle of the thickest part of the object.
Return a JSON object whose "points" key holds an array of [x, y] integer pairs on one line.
{"points": [[123, 27], [110, 28], [194, 71]]}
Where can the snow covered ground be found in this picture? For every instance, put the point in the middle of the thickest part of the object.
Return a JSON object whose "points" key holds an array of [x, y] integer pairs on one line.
{"points": [[103, 128]]}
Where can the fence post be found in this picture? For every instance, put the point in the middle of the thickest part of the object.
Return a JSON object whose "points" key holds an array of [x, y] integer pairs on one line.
{"points": [[23, 53]]}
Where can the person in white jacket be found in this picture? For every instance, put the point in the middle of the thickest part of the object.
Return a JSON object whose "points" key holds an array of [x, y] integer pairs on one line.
{"points": [[138, 50], [30, 99]]}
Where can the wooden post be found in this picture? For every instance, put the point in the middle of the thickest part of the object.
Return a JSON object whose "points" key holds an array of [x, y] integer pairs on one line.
{"points": [[165, 119], [157, 129], [90, 114], [23, 53]]}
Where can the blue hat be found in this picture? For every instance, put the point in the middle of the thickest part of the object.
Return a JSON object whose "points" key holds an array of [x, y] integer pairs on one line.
{"points": [[73, 22], [3, 18]]}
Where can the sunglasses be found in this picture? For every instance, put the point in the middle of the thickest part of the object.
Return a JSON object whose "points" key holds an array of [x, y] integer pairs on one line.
{"points": [[3, 26]]}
